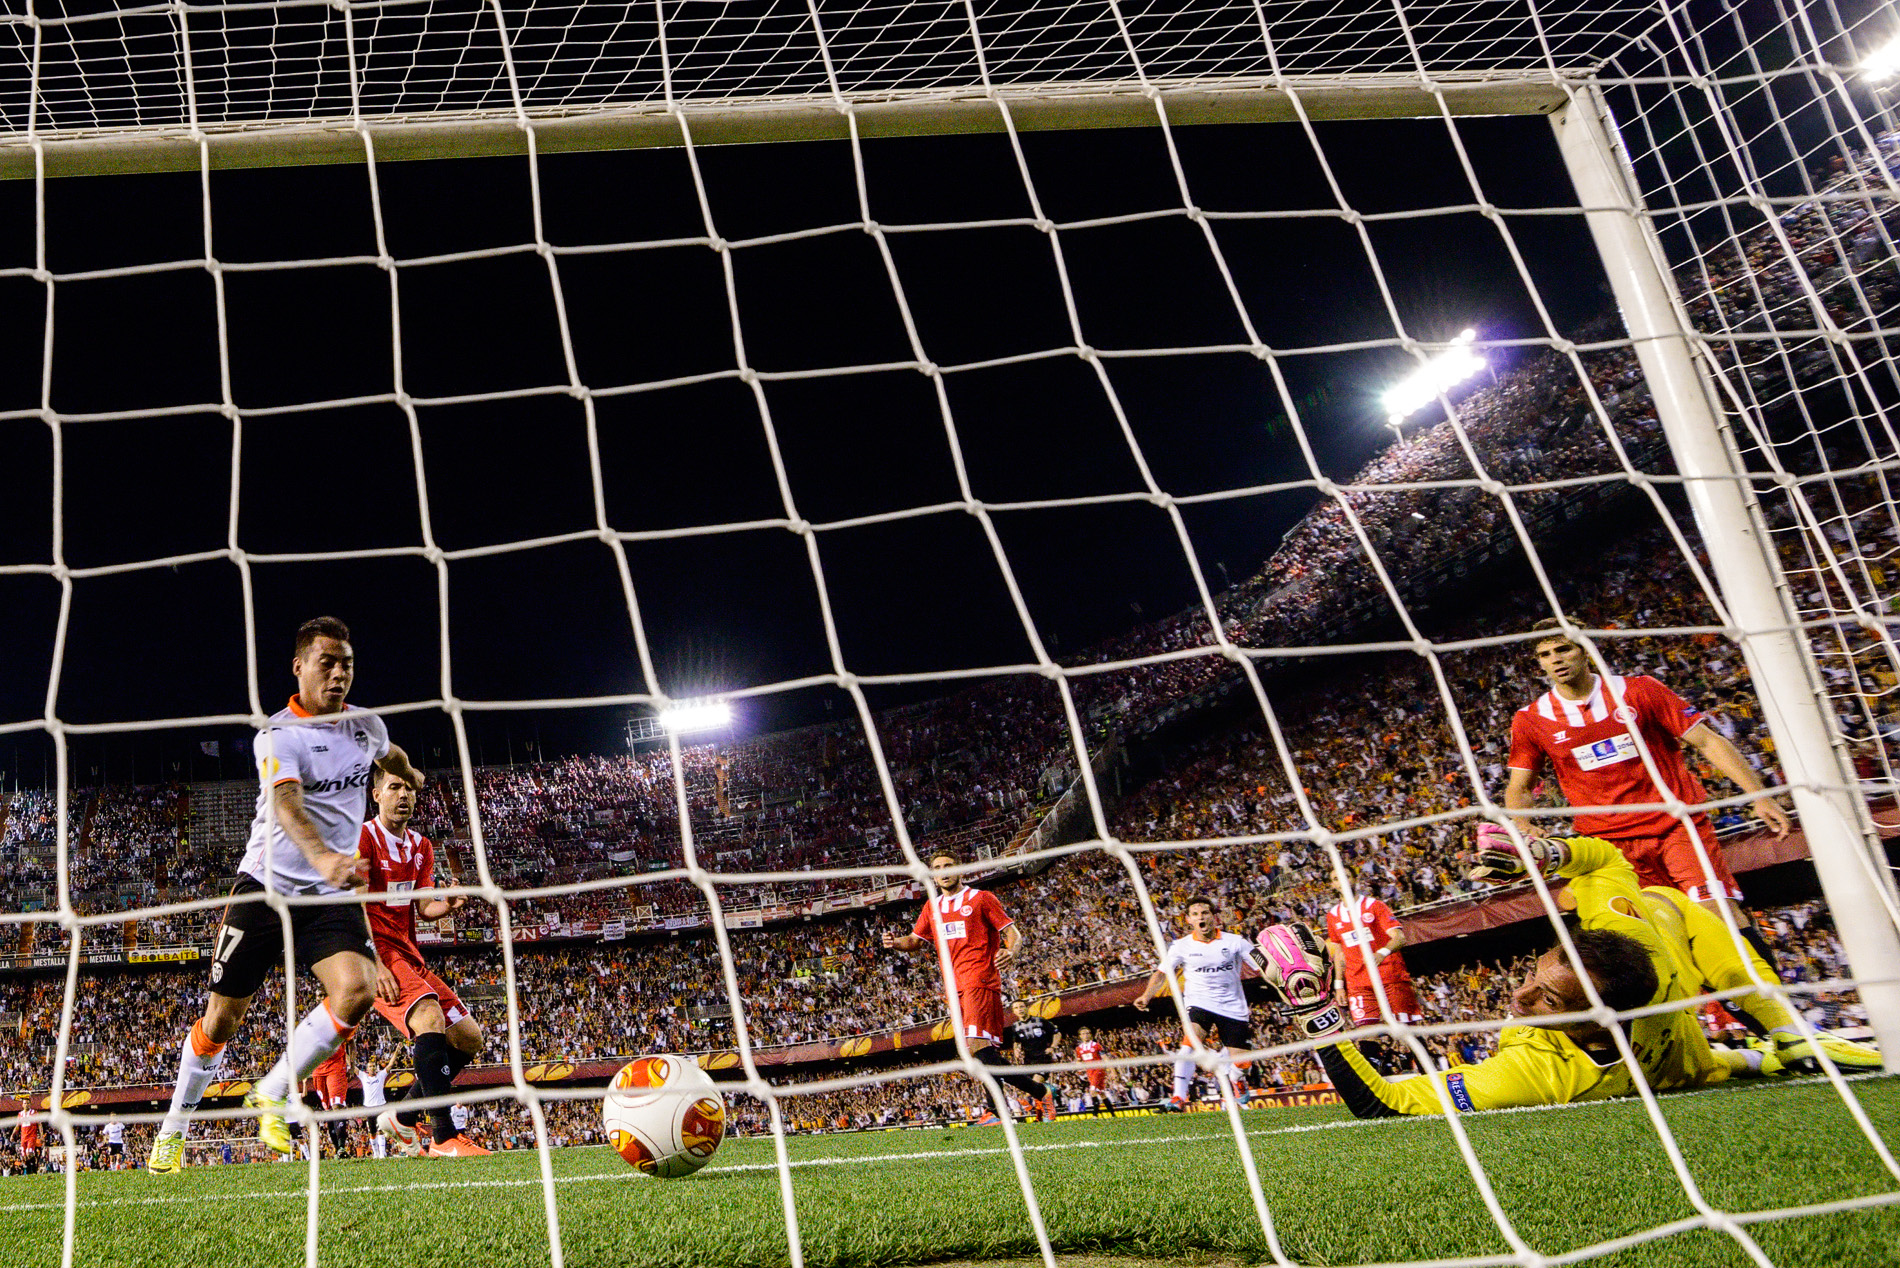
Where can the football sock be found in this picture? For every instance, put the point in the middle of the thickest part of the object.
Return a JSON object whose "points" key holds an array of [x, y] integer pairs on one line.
{"points": [[1752, 935], [1183, 1075], [317, 1036], [197, 1063], [458, 1060], [433, 1075]]}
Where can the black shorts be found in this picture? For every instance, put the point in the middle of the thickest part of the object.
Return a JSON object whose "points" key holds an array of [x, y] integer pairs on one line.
{"points": [[1235, 1032], [115, 1151], [251, 942]]}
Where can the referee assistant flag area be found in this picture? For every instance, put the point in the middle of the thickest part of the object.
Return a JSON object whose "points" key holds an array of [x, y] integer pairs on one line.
{"points": [[1156, 1188]]}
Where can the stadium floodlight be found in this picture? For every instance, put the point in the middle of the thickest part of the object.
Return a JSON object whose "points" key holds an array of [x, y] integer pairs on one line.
{"points": [[1883, 63], [1439, 375], [696, 716]]}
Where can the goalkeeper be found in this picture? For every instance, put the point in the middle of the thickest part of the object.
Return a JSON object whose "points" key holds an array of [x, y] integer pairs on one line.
{"points": [[1640, 947]]}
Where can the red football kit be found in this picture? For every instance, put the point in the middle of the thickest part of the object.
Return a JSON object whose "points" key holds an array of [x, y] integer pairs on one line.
{"points": [[1590, 747], [972, 923], [1377, 923], [1090, 1050], [396, 866]]}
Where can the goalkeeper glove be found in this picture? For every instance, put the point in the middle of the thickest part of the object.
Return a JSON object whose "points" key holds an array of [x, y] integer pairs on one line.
{"points": [[1498, 859], [1299, 973]]}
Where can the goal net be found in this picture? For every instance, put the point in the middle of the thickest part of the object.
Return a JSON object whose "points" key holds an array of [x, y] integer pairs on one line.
{"points": [[1126, 448]]}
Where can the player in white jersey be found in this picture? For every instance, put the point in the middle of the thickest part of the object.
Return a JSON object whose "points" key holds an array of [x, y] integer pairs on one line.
{"points": [[458, 1114], [1209, 963], [115, 1143], [314, 763], [375, 1097]]}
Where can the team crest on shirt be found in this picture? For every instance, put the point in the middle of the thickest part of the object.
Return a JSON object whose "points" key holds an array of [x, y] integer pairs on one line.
{"points": [[1624, 713], [362, 740]]}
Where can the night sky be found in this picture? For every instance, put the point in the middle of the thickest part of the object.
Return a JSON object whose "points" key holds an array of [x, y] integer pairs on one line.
{"points": [[723, 611]]}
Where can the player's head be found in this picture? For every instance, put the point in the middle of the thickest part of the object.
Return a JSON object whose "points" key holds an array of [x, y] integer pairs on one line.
{"points": [[1203, 918], [325, 665], [395, 797], [1020, 1007], [1085, 1034], [1561, 660], [942, 871], [1618, 964]]}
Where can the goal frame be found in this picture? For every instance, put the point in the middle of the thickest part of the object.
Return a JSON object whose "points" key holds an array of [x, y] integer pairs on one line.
{"points": [[1055, 106]]}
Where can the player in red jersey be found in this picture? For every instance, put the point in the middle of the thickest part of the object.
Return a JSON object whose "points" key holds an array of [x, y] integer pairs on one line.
{"points": [[1088, 1050], [424, 1009], [979, 937], [1582, 730], [1379, 931], [331, 1082]]}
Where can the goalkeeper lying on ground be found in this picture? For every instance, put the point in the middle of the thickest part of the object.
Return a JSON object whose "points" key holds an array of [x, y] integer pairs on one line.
{"points": [[1640, 946]]}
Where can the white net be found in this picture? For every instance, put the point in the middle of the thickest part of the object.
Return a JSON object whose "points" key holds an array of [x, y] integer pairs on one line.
{"points": [[1007, 391]]}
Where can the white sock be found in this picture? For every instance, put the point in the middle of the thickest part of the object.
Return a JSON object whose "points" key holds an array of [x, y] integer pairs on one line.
{"points": [[197, 1063], [1183, 1075], [316, 1037]]}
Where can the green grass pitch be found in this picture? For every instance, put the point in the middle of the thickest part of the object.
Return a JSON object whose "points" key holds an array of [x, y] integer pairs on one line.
{"points": [[1154, 1188]]}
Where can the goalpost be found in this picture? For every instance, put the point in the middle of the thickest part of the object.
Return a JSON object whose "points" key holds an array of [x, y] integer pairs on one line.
{"points": [[178, 87]]}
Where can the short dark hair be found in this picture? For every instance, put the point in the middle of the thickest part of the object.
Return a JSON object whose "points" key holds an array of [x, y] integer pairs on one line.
{"points": [[320, 627], [956, 860], [1202, 900], [380, 775], [1620, 966]]}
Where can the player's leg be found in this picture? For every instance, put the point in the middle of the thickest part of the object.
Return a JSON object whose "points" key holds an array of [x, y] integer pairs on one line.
{"points": [[1184, 1064], [1713, 886], [1724, 967], [1236, 1035], [463, 1032], [983, 1025], [436, 1067], [249, 944], [348, 978]]}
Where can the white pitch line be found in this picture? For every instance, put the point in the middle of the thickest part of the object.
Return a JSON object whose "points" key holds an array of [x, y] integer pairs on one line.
{"points": [[625, 1174]]}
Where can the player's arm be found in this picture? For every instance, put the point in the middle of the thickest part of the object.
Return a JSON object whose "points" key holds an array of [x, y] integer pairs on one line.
{"points": [[1337, 955], [1732, 766], [1012, 943], [435, 908], [1156, 980], [396, 762], [909, 942], [1517, 791], [345, 871], [1537, 1071]]}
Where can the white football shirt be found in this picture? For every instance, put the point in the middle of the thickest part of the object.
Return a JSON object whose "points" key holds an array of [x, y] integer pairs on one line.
{"points": [[333, 761], [1210, 972], [115, 1132], [373, 1080], [458, 1114]]}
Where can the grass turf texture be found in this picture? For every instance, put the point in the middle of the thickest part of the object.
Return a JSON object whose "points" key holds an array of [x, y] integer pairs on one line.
{"points": [[1153, 1188]]}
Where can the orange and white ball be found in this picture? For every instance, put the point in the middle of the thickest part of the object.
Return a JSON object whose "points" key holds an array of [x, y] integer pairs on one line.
{"points": [[664, 1116]]}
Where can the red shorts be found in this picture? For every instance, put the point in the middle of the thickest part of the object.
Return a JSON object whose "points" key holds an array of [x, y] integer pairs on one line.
{"points": [[417, 982], [983, 1016], [1670, 860], [331, 1080], [1401, 996], [1098, 1078]]}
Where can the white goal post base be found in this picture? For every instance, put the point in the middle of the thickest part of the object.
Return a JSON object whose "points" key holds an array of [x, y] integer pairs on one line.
{"points": [[804, 117]]}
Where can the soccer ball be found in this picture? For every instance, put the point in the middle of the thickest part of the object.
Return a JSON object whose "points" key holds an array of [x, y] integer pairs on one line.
{"points": [[664, 1116]]}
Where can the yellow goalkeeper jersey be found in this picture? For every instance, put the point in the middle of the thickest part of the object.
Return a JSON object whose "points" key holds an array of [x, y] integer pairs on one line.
{"points": [[1693, 952]]}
